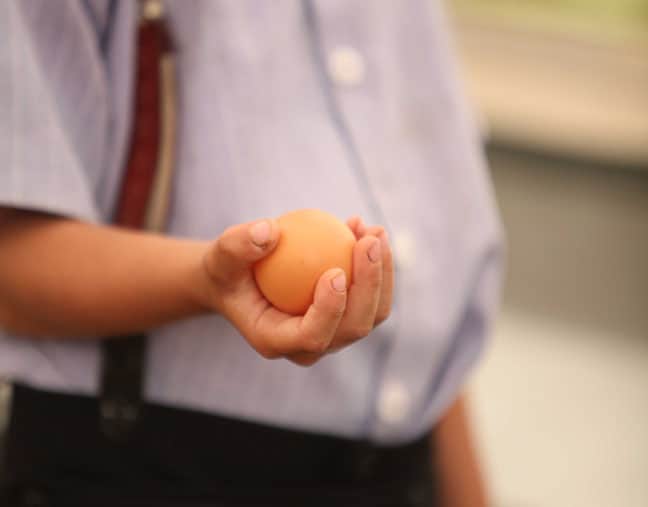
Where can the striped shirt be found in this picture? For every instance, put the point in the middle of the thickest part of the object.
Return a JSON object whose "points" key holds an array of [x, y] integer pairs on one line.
{"points": [[344, 105]]}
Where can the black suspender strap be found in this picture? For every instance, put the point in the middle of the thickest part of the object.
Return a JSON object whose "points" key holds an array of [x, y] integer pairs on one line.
{"points": [[143, 203]]}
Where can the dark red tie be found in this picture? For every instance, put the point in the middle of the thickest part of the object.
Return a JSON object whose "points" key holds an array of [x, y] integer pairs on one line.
{"points": [[137, 183]]}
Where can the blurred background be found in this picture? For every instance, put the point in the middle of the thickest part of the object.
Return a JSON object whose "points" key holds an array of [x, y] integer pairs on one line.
{"points": [[561, 399]]}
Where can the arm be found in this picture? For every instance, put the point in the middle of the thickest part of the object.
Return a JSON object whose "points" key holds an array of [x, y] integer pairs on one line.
{"points": [[459, 478], [60, 277]]}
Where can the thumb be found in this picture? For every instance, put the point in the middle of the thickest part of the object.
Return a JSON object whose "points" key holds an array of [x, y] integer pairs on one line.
{"points": [[239, 247]]}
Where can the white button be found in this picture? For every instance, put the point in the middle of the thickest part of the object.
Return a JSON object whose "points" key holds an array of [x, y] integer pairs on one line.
{"points": [[393, 403], [404, 249], [346, 66]]}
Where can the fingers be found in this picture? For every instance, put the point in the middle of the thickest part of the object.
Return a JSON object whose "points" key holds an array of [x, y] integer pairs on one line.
{"points": [[323, 317], [239, 247], [334, 320], [276, 334], [357, 226], [386, 292], [305, 358], [387, 289], [364, 293]]}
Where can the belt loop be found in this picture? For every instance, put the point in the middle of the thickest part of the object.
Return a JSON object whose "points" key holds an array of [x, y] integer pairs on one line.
{"points": [[5, 416]]}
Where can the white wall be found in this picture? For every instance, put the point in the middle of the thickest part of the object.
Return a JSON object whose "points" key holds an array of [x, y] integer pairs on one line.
{"points": [[561, 399]]}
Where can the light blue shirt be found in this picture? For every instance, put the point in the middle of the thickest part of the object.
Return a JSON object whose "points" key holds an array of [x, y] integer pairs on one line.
{"points": [[344, 105]]}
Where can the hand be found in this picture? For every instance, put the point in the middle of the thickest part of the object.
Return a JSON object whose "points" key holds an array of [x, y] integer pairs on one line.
{"points": [[336, 318]]}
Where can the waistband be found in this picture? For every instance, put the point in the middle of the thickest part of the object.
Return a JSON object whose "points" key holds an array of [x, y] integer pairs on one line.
{"points": [[55, 450]]}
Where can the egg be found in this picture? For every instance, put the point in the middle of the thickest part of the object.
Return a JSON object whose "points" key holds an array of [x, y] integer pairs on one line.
{"points": [[311, 242]]}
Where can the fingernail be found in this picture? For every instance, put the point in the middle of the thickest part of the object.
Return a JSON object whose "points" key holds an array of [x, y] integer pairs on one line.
{"points": [[339, 282], [260, 233], [374, 251]]}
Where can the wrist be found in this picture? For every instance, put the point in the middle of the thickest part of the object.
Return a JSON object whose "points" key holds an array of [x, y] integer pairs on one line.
{"points": [[199, 287]]}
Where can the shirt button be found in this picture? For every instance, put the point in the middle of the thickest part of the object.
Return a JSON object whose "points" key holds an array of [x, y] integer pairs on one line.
{"points": [[393, 403], [404, 249], [346, 66]]}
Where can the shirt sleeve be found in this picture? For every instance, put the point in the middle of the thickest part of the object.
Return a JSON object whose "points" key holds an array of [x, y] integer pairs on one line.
{"points": [[53, 108], [474, 326]]}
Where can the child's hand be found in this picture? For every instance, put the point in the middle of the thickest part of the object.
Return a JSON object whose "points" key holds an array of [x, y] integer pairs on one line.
{"points": [[336, 318]]}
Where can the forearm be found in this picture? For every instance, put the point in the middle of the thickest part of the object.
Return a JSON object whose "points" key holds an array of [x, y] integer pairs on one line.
{"points": [[60, 277], [459, 477]]}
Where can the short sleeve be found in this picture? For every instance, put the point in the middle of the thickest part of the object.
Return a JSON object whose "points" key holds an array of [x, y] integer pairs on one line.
{"points": [[474, 326], [53, 108]]}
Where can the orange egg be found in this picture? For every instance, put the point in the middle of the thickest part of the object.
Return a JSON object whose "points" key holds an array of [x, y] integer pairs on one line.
{"points": [[311, 242]]}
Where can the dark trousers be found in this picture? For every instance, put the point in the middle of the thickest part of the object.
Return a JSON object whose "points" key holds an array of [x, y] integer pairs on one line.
{"points": [[56, 456]]}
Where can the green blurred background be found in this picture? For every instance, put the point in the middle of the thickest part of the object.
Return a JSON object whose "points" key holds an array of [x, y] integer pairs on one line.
{"points": [[595, 16]]}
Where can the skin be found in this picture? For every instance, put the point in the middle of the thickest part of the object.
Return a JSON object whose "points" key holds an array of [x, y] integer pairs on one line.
{"points": [[66, 279], [61, 278], [458, 473]]}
